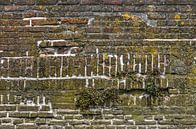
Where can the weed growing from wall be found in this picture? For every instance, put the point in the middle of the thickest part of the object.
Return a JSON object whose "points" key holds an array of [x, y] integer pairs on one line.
{"points": [[91, 98]]}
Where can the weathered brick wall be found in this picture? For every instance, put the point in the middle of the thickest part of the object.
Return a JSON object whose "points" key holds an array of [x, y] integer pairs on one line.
{"points": [[49, 49]]}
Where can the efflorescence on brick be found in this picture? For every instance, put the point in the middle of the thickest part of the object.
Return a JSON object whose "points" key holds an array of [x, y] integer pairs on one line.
{"points": [[50, 50]]}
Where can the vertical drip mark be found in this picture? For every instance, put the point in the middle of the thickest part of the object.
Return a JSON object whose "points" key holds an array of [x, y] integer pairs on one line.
{"points": [[85, 67], [140, 65], [7, 115], [110, 60], [24, 84], [167, 83], [131, 84], [143, 83], [116, 64], [50, 106], [125, 84], [38, 100], [93, 82], [134, 63], [87, 83], [44, 100], [61, 68], [103, 64], [128, 62], [134, 100], [121, 63], [158, 61], [93, 64], [165, 65], [161, 82], [55, 71], [30, 22], [146, 63], [97, 52]]}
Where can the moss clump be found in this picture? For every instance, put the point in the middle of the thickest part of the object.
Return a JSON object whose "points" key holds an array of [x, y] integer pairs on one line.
{"points": [[152, 89], [92, 98]]}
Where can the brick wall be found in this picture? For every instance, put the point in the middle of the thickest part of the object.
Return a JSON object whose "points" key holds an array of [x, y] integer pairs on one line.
{"points": [[49, 49]]}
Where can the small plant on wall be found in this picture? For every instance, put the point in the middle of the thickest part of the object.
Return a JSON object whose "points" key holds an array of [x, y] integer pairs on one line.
{"points": [[153, 89], [92, 98]]}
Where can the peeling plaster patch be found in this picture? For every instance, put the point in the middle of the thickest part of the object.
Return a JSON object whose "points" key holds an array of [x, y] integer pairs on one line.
{"points": [[70, 32], [90, 21], [38, 43], [141, 16], [144, 17], [2, 61]]}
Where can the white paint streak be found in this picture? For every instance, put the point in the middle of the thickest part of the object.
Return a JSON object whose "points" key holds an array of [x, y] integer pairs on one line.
{"points": [[140, 65], [128, 54], [158, 61], [116, 64], [34, 18], [146, 63], [121, 62], [110, 62], [134, 63], [103, 64]]}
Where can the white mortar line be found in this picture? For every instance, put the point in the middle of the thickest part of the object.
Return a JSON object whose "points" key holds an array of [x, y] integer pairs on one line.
{"points": [[35, 18], [169, 40], [55, 78]]}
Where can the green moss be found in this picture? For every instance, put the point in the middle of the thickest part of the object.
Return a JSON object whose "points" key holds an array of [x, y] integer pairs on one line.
{"points": [[138, 117], [91, 98]]}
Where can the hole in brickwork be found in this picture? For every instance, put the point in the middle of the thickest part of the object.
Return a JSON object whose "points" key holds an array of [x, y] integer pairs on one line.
{"points": [[59, 47]]}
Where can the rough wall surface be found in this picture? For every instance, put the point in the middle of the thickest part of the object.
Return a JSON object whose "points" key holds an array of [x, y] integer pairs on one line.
{"points": [[49, 49]]}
